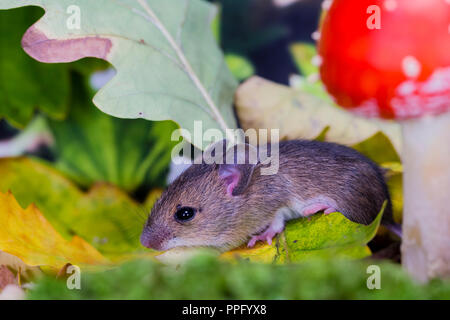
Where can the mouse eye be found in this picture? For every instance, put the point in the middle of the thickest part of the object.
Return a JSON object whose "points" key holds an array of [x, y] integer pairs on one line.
{"points": [[185, 214]]}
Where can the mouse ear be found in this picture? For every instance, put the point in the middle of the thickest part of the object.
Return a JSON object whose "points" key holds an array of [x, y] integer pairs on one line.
{"points": [[236, 177], [237, 171]]}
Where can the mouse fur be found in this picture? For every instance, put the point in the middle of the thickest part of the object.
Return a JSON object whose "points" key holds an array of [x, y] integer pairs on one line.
{"points": [[313, 176]]}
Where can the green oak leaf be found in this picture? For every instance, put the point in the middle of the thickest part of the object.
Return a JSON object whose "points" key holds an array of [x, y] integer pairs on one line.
{"points": [[94, 147], [104, 216], [169, 66], [320, 236]]}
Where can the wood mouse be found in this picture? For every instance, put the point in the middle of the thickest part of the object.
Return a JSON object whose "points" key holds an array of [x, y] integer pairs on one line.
{"points": [[226, 205]]}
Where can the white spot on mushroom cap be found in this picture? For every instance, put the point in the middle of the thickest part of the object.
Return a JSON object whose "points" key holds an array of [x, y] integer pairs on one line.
{"points": [[317, 61], [315, 35], [406, 88], [430, 97], [390, 5], [327, 4], [312, 78], [411, 67], [368, 108], [438, 82]]}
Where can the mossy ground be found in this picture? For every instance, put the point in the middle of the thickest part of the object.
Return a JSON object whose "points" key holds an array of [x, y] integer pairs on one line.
{"points": [[206, 277]]}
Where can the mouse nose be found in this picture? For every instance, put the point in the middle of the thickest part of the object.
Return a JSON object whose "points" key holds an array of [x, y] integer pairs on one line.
{"points": [[155, 237]]}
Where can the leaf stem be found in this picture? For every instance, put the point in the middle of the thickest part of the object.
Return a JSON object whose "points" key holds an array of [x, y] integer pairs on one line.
{"points": [[216, 113]]}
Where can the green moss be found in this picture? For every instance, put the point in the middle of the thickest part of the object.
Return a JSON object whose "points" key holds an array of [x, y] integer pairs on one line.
{"points": [[205, 277]]}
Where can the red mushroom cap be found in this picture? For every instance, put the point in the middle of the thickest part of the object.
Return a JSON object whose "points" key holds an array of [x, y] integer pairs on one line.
{"points": [[401, 70]]}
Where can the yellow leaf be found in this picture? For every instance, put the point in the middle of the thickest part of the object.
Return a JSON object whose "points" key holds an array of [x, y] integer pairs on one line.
{"points": [[26, 234], [262, 252], [104, 215]]}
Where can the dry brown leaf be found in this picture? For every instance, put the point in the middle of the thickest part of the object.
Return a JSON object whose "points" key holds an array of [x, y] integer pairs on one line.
{"points": [[263, 104]]}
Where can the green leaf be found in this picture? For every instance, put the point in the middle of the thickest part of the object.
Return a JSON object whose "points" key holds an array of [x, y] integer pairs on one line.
{"points": [[104, 216], [378, 148], [320, 236], [239, 66], [328, 236], [169, 65], [303, 54], [94, 147], [395, 185], [309, 82], [24, 83]]}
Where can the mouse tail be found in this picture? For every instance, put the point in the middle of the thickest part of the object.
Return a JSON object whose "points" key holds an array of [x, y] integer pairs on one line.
{"points": [[388, 220], [395, 228]]}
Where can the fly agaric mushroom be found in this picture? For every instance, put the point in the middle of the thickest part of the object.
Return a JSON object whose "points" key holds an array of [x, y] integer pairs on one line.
{"points": [[391, 59]]}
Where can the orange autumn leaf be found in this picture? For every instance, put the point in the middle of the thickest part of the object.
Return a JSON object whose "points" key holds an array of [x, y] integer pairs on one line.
{"points": [[26, 234]]}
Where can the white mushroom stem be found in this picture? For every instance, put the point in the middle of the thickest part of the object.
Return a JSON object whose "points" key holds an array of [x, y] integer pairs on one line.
{"points": [[426, 185]]}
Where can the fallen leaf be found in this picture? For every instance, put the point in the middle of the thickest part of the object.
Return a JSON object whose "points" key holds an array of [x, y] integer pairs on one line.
{"points": [[321, 236], [262, 104], [6, 277], [94, 147], [23, 80], [104, 216], [262, 252], [25, 273], [26, 234], [169, 66]]}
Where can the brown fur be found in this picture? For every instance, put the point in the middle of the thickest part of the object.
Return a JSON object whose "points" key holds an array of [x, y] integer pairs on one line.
{"points": [[307, 169]]}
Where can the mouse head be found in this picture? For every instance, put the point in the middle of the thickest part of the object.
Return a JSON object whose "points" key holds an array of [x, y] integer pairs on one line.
{"points": [[202, 207]]}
